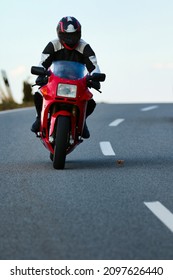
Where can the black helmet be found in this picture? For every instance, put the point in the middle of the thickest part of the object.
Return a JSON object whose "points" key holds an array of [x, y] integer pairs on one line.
{"points": [[69, 32]]}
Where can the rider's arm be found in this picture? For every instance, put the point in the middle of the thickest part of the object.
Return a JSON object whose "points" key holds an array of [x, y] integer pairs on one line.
{"points": [[47, 56], [91, 60]]}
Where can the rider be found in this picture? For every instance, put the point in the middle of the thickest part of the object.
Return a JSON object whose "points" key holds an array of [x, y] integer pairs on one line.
{"points": [[68, 46]]}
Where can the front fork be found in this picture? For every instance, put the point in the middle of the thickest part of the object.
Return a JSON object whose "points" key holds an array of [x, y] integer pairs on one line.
{"points": [[49, 120], [53, 122]]}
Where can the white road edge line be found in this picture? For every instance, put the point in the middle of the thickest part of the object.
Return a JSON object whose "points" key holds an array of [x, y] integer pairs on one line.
{"points": [[106, 148], [149, 108], [16, 110], [116, 122], [161, 212]]}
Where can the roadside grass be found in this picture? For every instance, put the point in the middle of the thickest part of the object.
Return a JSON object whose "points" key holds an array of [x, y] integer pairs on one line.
{"points": [[13, 105]]}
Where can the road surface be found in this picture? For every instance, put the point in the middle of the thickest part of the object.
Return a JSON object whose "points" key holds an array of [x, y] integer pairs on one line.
{"points": [[114, 200]]}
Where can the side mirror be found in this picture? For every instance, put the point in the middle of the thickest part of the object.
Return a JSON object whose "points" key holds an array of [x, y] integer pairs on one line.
{"points": [[41, 71], [98, 77]]}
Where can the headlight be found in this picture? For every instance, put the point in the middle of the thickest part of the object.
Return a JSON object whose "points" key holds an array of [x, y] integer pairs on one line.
{"points": [[67, 90]]}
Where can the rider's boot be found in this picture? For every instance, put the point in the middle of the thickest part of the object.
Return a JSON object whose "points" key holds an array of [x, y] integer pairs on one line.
{"points": [[36, 125], [86, 133], [90, 108], [38, 101]]}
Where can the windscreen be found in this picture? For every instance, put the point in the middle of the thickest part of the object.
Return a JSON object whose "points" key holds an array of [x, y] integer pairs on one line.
{"points": [[68, 69]]}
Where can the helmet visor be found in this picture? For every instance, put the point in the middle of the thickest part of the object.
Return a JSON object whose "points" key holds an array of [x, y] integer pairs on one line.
{"points": [[70, 39]]}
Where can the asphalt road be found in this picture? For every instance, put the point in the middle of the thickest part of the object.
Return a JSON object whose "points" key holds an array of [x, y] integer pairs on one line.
{"points": [[95, 208]]}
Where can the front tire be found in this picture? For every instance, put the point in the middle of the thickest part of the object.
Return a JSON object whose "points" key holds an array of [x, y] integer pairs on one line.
{"points": [[61, 142]]}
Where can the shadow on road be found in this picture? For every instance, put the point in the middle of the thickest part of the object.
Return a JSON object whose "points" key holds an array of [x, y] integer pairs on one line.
{"points": [[104, 163]]}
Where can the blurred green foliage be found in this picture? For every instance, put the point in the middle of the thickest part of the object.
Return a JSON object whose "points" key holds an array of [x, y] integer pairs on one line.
{"points": [[8, 103]]}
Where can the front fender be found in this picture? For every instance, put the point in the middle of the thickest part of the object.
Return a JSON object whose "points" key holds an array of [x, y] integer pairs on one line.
{"points": [[54, 117]]}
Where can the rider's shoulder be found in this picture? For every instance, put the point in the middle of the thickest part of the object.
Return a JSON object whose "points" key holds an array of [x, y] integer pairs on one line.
{"points": [[82, 44], [56, 44]]}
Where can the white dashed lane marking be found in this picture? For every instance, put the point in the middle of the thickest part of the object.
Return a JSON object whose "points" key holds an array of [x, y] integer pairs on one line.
{"points": [[106, 148], [149, 108], [161, 212], [116, 122]]}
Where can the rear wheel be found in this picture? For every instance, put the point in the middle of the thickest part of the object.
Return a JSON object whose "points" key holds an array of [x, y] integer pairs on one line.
{"points": [[61, 142]]}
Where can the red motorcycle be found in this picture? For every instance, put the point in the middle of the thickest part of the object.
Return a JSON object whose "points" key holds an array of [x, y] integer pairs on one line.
{"points": [[65, 96]]}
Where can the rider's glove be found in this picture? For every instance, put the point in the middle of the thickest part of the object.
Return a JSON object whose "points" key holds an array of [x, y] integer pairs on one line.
{"points": [[41, 80], [94, 84]]}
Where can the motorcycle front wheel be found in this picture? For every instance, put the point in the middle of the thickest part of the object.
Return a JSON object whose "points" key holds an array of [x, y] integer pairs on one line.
{"points": [[61, 142]]}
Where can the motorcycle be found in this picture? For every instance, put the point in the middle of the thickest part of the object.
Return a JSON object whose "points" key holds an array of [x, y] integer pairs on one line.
{"points": [[65, 89]]}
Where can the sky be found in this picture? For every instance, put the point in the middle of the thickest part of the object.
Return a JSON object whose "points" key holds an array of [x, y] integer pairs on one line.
{"points": [[132, 39]]}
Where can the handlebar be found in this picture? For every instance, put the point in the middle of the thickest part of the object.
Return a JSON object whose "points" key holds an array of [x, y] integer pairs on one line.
{"points": [[93, 80], [41, 71], [97, 77]]}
